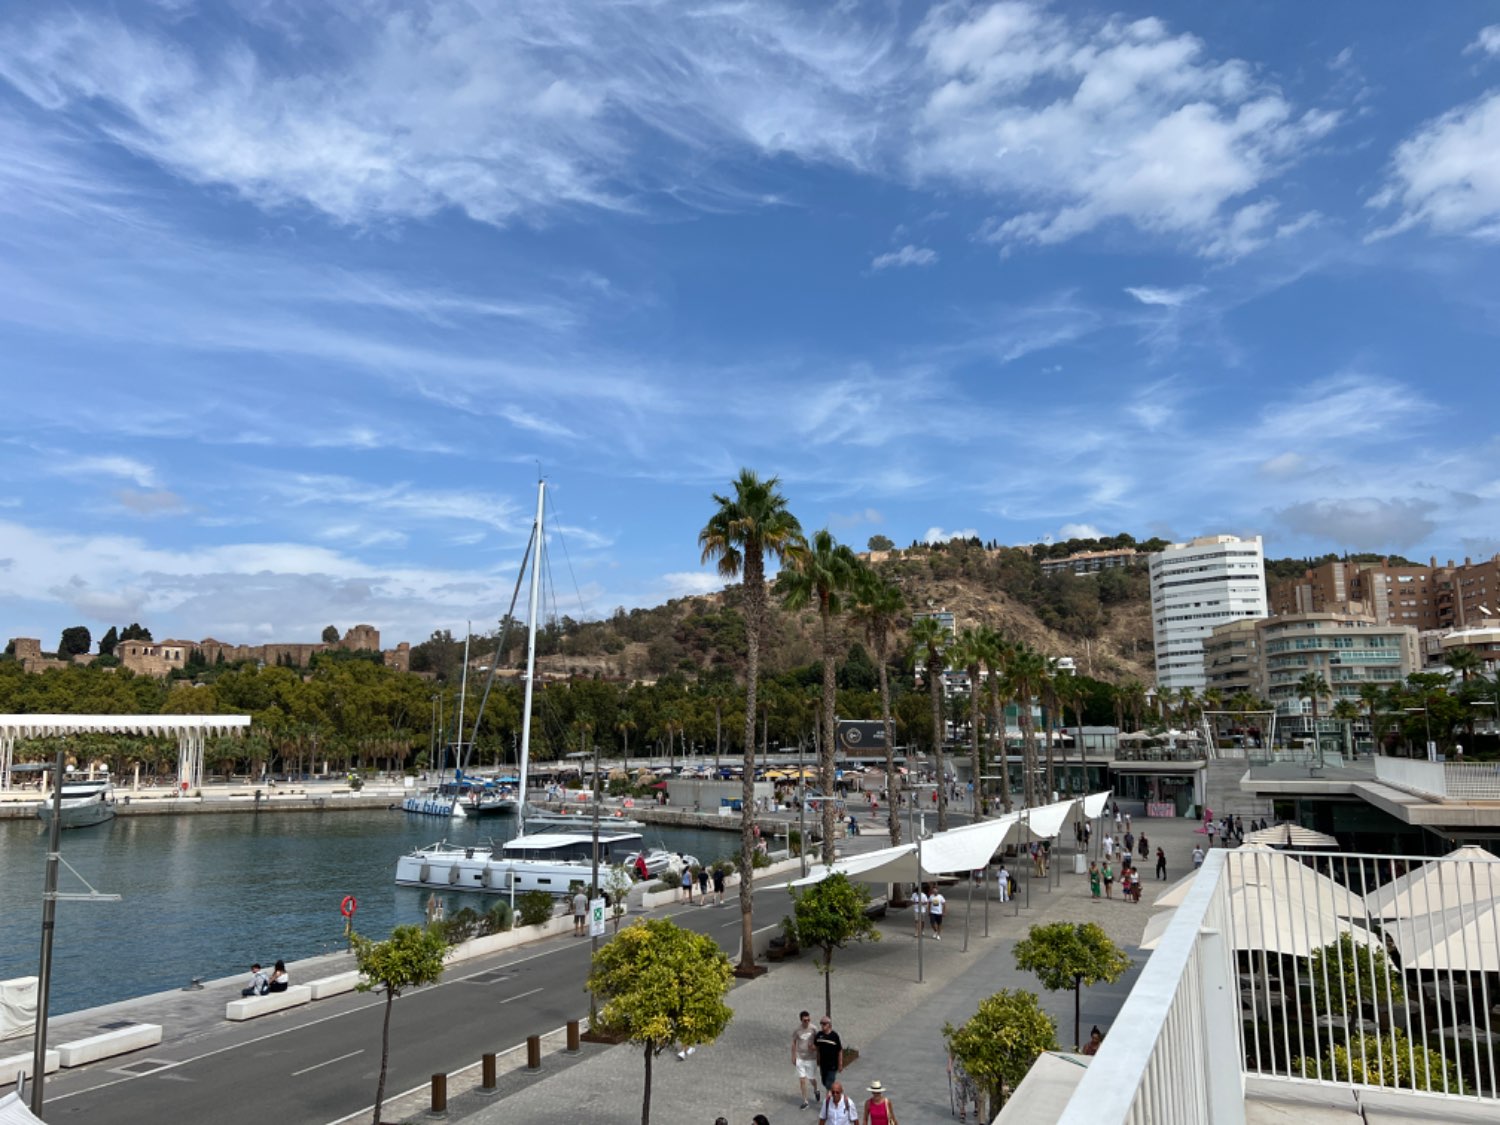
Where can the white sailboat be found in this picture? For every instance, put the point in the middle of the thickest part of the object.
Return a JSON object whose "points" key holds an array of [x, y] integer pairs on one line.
{"points": [[549, 861], [436, 802]]}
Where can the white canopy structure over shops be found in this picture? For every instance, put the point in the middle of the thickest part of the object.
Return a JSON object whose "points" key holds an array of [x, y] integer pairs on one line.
{"points": [[958, 850], [13, 1111], [191, 731]]}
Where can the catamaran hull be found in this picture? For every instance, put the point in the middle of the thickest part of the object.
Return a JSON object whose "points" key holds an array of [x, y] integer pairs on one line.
{"points": [[483, 875]]}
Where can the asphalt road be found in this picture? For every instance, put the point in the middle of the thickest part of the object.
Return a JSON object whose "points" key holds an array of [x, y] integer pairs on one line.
{"points": [[320, 1064]]}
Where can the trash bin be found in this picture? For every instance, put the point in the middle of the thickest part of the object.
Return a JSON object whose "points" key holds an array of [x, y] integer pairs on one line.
{"points": [[1080, 864]]}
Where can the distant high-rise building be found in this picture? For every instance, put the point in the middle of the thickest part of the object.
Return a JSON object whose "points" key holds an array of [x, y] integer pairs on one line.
{"points": [[1194, 586]]}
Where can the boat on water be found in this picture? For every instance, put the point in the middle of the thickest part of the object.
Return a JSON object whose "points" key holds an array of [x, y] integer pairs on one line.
{"points": [[659, 860], [481, 796], [611, 821], [84, 803], [550, 862]]}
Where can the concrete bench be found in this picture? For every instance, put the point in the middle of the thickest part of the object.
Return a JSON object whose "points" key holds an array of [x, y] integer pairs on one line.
{"points": [[21, 1064], [335, 985], [251, 1006], [109, 1043]]}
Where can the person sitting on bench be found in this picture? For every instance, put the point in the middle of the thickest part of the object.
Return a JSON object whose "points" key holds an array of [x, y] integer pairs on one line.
{"points": [[258, 982], [279, 980]]}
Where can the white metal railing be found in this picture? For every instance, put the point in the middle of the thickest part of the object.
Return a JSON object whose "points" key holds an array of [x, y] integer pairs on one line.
{"points": [[1472, 781], [1446, 781], [1354, 971]]}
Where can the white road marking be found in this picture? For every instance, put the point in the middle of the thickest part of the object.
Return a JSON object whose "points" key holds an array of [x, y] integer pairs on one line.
{"points": [[522, 996], [330, 1062]]}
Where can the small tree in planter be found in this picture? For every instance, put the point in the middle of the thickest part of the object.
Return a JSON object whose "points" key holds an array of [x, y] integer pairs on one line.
{"points": [[1064, 955], [829, 915], [661, 985], [617, 884], [1342, 976], [534, 907], [411, 958], [1001, 1040]]}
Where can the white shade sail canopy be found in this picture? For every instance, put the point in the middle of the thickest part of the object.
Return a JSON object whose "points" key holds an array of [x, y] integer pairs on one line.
{"points": [[189, 730], [13, 1111], [1095, 804], [1292, 836], [1463, 939], [1466, 875]]}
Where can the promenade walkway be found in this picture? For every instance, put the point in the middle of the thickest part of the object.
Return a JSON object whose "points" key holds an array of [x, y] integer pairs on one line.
{"points": [[878, 1007]]}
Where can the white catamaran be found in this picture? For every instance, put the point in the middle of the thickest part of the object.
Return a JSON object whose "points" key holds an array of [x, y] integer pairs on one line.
{"points": [[544, 862]]}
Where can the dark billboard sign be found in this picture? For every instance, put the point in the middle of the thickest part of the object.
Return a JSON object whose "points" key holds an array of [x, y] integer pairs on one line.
{"points": [[861, 736]]}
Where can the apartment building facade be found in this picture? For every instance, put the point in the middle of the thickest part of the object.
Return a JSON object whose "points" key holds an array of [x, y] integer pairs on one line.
{"points": [[1346, 650], [1428, 598], [1092, 562], [1196, 586], [1231, 659]]}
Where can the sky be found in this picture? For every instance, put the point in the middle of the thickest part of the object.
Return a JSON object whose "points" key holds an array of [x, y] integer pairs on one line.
{"points": [[297, 300]]}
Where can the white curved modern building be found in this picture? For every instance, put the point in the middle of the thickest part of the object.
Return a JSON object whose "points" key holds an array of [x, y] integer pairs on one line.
{"points": [[1194, 586]]}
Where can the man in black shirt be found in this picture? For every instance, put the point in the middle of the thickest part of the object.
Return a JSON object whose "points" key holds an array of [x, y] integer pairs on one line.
{"points": [[830, 1052]]}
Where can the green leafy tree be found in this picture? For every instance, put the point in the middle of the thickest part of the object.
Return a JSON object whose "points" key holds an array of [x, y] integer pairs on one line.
{"points": [[617, 884], [1067, 955], [1346, 978], [661, 984], [411, 958], [108, 642], [743, 530], [819, 573], [1387, 1059], [829, 915], [1313, 687], [135, 631], [998, 1044], [76, 640], [331, 635], [880, 543]]}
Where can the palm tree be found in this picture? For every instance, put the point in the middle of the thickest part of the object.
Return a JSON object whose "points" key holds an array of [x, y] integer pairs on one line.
{"points": [[1134, 693], [1464, 661], [1050, 705], [746, 527], [967, 652], [819, 574], [928, 640], [1069, 690], [1312, 687], [1213, 700], [881, 608], [1371, 697], [997, 651], [1025, 671]]}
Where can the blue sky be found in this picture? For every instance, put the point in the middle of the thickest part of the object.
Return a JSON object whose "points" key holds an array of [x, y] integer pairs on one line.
{"points": [[294, 298]]}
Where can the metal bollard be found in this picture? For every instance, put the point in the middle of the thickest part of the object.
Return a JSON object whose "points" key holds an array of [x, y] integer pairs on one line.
{"points": [[533, 1052], [487, 1074], [439, 1094], [573, 1037]]}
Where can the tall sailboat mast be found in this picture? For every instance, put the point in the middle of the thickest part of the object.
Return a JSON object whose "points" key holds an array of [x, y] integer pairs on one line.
{"points": [[536, 582]]}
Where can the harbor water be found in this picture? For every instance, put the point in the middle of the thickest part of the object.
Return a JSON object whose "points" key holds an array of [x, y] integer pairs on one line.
{"points": [[204, 896]]}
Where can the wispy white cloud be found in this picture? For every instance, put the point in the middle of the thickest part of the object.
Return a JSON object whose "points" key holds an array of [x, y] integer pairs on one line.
{"points": [[1487, 42], [1079, 531], [908, 255], [525, 420], [1446, 175], [109, 465], [685, 583], [1170, 298], [938, 535]]}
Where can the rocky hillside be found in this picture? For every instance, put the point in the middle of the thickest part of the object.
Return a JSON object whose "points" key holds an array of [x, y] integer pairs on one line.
{"points": [[1101, 621]]}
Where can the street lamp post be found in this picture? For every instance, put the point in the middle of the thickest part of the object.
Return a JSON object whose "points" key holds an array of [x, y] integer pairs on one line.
{"points": [[918, 833]]}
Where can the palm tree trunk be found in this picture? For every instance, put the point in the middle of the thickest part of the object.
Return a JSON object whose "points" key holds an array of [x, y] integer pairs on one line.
{"points": [[1003, 752], [974, 718], [825, 764], [935, 689], [755, 600], [1051, 767], [893, 820], [1028, 752]]}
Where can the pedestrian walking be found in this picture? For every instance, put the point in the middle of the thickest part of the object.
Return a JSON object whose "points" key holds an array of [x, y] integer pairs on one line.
{"points": [[1109, 880], [703, 885], [830, 1050], [1127, 822], [838, 1108], [1129, 840], [1239, 828], [1197, 857], [1145, 847], [878, 1108], [687, 883], [1109, 847], [1161, 863], [805, 1056], [919, 909], [718, 886], [1119, 820], [1002, 880], [1094, 878], [936, 905]]}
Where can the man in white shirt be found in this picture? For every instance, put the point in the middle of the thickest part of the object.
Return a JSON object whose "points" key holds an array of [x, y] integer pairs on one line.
{"points": [[919, 909], [936, 904], [805, 1055], [1197, 856], [838, 1108], [1004, 879]]}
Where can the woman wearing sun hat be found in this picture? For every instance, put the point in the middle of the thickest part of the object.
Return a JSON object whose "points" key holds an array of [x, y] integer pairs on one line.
{"points": [[878, 1110]]}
